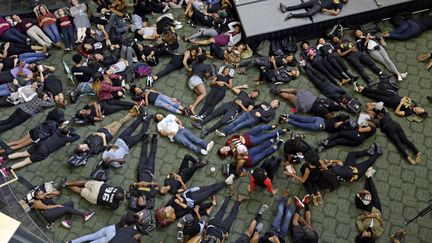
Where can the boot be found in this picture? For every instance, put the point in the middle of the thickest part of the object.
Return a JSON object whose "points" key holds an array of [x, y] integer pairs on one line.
{"points": [[352, 76]]}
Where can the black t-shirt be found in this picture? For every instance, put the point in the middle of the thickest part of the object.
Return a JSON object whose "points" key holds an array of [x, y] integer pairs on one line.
{"points": [[124, 235], [173, 183], [106, 196], [330, 4], [224, 79], [292, 146], [313, 172], [95, 142], [279, 61], [152, 96], [92, 115], [328, 51], [57, 140], [344, 45], [245, 99], [43, 130], [82, 73]]}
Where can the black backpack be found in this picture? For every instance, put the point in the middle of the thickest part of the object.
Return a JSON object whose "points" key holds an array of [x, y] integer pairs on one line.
{"points": [[78, 160], [100, 173]]}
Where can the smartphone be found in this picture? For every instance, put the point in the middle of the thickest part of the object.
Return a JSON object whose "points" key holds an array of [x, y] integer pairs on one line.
{"points": [[180, 236]]}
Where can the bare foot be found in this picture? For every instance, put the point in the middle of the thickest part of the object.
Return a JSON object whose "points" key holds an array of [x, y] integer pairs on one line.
{"points": [[418, 157], [242, 198]]}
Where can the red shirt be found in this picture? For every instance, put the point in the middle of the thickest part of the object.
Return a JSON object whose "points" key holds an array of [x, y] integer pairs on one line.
{"points": [[47, 19], [64, 22], [4, 25], [267, 183], [106, 89]]}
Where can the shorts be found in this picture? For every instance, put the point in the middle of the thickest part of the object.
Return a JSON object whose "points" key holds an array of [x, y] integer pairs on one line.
{"points": [[34, 136], [91, 190], [244, 238], [194, 81], [37, 153]]}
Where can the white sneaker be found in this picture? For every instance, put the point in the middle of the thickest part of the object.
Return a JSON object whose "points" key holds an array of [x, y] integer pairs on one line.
{"points": [[204, 152], [210, 146], [178, 26], [399, 78], [196, 118], [219, 133], [370, 172], [355, 87], [177, 22], [230, 180], [404, 75]]}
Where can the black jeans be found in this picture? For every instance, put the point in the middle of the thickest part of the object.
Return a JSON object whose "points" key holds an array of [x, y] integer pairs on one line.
{"points": [[325, 68], [15, 119], [323, 84], [53, 214], [205, 192], [228, 113], [256, 62], [345, 137], [218, 219], [357, 59], [186, 171], [313, 7], [6, 77], [126, 135], [217, 51], [213, 98], [375, 201], [352, 157], [390, 98], [109, 107], [146, 165], [398, 137], [337, 63], [175, 63]]}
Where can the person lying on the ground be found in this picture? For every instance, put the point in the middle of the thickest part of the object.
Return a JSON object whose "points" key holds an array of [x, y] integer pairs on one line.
{"points": [[151, 96], [47, 128], [315, 123], [98, 141], [229, 111], [97, 192], [115, 154], [184, 203], [351, 169], [394, 132], [41, 150], [295, 148], [302, 229], [410, 28], [312, 7], [261, 113], [170, 126], [96, 111], [305, 101], [175, 182], [251, 138], [252, 232], [403, 106], [51, 211], [51, 83]]}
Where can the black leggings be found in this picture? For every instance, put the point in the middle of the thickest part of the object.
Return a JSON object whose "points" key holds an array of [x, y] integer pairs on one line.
{"points": [[205, 192], [126, 135], [325, 68], [213, 98], [4, 102], [6, 77], [112, 106], [16, 118], [390, 98], [217, 51], [313, 7], [357, 59], [146, 165], [398, 137], [175, 63], [375, 201], [345, 137], [185, 171], [256, 62], [323, 84], [352, 157], [271, 166], [227, 112], [337, 63], [53, 214], [219, 221]]}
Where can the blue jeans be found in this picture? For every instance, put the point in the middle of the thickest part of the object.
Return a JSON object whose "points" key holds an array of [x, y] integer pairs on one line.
{"points": [[4, 90], [244, 120], [167, 103], [189, 140], [408, 29], [261, 151], [68, 36], [282, 220], [52, 32], [101, 236], [256, 136], [30, 57], [311, 123], [14, 35]]}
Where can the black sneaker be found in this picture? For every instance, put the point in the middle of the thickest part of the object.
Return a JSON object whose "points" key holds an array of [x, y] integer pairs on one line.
{"points": [[289, 16], [204, 132], [282, 8], [429, 98], [197, 125], [202, 163], [154, 138]]}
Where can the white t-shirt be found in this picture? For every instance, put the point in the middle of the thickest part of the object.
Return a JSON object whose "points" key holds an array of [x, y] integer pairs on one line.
{"points": [[149, 32], [169, 125]]}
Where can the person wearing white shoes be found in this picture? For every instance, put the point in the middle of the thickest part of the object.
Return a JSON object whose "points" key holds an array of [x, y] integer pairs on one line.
{"points": [[172, 127]]}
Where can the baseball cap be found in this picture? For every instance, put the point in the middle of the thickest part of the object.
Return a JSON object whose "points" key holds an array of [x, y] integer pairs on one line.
{"points": [[187, 219]]}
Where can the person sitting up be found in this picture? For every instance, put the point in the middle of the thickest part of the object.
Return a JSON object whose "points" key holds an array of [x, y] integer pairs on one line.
{"points": [[170, 126], [97, 192], [51, 211], [263, 175]]}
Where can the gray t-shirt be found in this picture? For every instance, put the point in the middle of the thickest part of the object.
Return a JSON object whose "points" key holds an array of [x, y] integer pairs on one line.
{"points": [[116, 154]]}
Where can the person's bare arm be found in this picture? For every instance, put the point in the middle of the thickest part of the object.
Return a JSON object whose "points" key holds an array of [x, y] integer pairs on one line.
{"points": [[302, 179], [50, 68], [364, 129], [342, 54], [185, 58], [237, 89], [399, 107], [41, 206], [331, 11]]}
